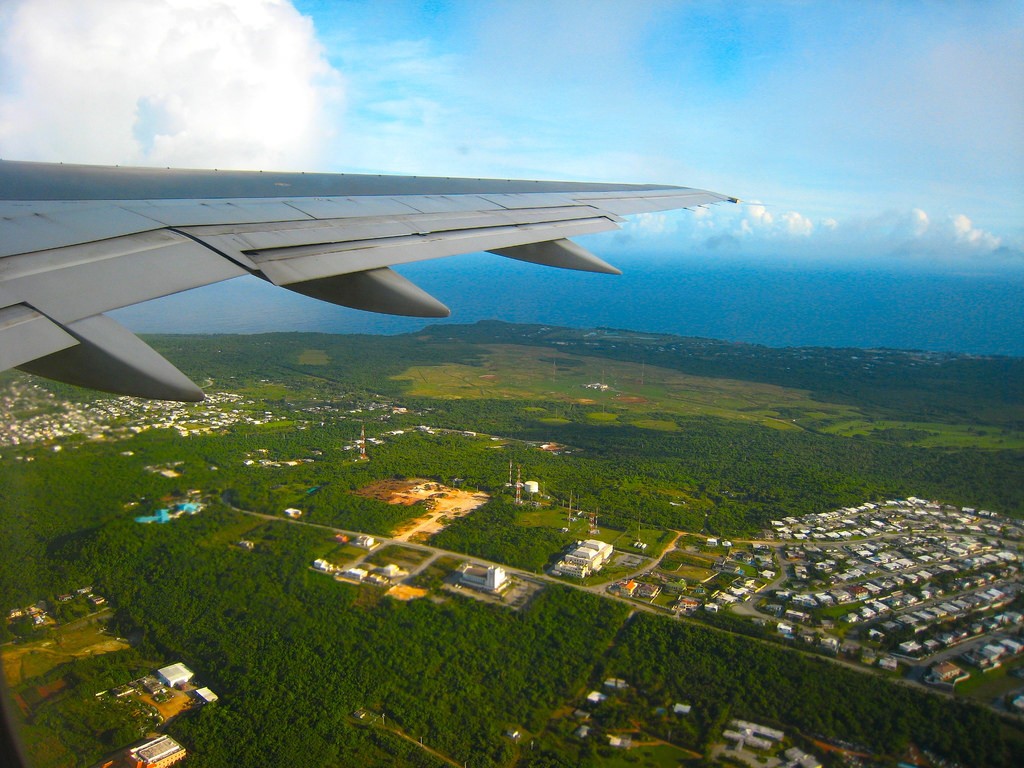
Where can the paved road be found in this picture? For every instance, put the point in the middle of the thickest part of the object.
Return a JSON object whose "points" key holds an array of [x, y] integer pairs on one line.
{"points": [[598, 589]]}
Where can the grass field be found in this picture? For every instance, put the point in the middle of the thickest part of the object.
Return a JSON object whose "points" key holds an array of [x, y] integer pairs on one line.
{"points": [[313, 357], [84, 637], [986, 686], [643, 396]]}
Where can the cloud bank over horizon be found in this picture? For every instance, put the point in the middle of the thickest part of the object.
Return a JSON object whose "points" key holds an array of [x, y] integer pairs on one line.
{"points": [[887, 135]]}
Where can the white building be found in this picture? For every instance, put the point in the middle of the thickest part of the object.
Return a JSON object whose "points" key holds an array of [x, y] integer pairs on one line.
{"points": [[206, 695], [588, 557], [161, 751], [175, 674], [489, 578]]}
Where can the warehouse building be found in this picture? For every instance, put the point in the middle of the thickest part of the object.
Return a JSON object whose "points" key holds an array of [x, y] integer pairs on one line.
{"points": [[175, 675], [157, 753]]}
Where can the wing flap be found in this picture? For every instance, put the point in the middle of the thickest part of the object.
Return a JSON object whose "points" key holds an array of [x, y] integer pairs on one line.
{"points": [[301, 263], [239, 240], [70, 283]]}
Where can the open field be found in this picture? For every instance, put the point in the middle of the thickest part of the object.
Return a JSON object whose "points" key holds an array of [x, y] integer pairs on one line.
{"points": [[403, 557], [84, 637], [313, 357], [644, 396]]}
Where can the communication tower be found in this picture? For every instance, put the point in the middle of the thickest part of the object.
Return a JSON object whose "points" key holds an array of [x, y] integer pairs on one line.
{"points": [[362, 442], [519, 485], [593, 523]]}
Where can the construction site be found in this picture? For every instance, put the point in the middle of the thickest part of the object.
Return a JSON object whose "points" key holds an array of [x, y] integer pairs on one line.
{"points": [[440, 503]]}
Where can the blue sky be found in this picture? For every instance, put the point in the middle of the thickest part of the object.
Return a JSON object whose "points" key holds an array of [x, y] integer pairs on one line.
{"points": [[884, 134]]}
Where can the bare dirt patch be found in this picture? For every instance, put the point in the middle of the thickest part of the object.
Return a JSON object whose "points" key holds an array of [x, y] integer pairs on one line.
{"points": [[405, 593], [631, 399], [178, 703], [440, 503]]}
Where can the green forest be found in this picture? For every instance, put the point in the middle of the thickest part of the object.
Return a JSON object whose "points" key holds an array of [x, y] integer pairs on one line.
{"points": [[294, 655]]}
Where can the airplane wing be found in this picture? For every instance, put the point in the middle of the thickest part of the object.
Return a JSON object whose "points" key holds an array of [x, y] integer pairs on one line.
{"points": [[77, 241]]}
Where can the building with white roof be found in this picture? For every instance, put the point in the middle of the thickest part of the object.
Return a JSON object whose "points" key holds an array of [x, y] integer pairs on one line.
{"points": [[491, 578], [157, 753], [175, 674], [587, 557]]}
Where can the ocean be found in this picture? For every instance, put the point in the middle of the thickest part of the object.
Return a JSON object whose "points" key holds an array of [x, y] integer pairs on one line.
{"points": [[757, 303]]}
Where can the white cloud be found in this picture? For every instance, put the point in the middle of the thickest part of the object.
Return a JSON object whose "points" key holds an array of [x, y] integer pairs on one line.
{"points": [[797, 224], [966, 232], [911, 237], [221, 83], [921, 221], [757, 214]]}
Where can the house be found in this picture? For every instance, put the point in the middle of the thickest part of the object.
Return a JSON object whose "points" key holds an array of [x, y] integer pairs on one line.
{"points": [[681, 709], [624, 588], [355, 574], [596, 697], [391, 572], [648, 591], [946, 672]]}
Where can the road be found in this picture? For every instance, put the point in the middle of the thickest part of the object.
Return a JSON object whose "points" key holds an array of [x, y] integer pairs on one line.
{"points": [[596, 589]]}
